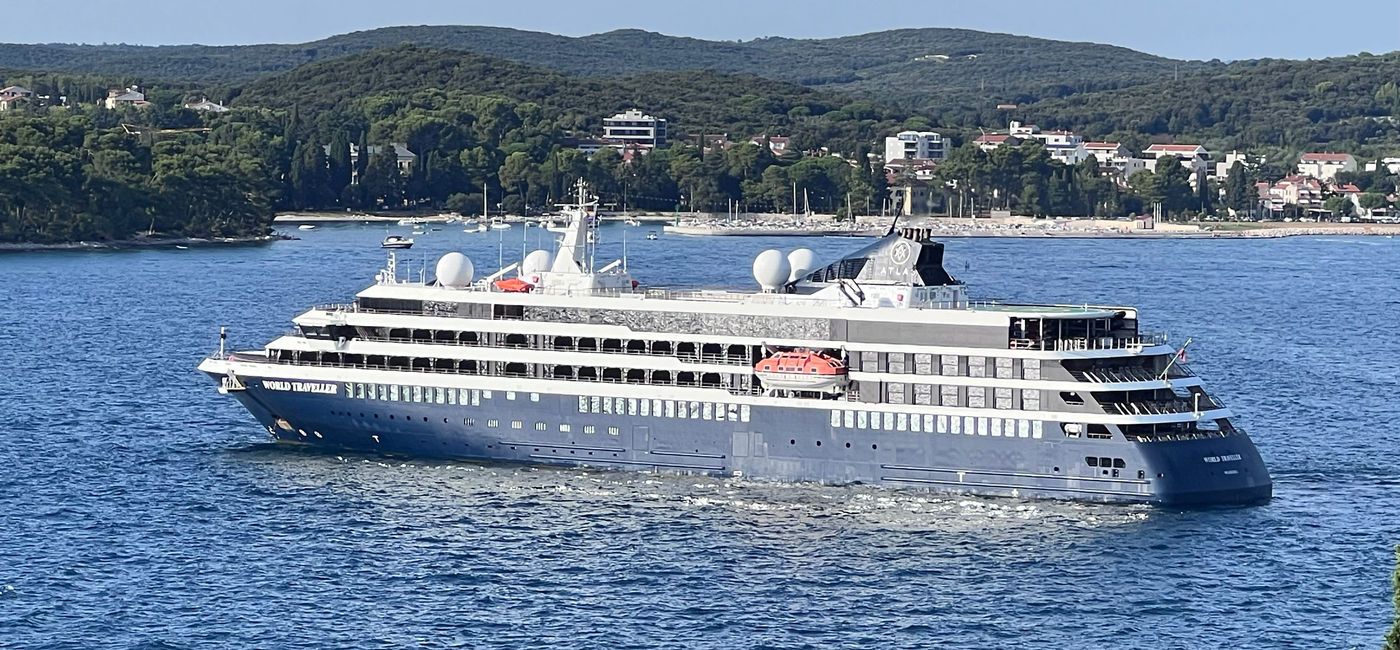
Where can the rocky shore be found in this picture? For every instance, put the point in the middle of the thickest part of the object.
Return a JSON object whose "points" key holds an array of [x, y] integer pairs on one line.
{"points": [[143, 242]]}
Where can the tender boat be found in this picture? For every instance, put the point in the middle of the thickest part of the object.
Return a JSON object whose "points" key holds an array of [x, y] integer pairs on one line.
{"points": [[651, 235], [306, 226], [497, 224], [801, 370], [397, 241]]}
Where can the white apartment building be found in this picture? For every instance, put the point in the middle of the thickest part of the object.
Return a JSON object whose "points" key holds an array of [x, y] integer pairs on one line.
{"points": [[922, 145], [1326, 166], [633, 127]]}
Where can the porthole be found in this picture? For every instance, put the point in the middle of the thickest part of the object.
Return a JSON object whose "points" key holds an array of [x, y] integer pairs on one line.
{"points": [[819, 443], [848, 445], [874, 446], [792, 442]]}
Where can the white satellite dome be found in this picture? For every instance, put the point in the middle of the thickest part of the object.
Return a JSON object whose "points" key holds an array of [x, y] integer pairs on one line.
{"points": [[454, 270], [536, 262], [771, 269], [802, 261]]}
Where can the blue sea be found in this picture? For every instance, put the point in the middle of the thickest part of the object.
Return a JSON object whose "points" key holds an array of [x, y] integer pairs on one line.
{"points": [[140, 509]]}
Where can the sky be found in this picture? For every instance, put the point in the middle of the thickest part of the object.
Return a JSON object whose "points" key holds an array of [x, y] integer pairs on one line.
{"points": [[1184, 29]]}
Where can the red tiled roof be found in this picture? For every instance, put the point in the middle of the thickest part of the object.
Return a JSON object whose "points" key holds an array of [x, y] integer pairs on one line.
{"points": [[1101, 145], [992, 137], [1348, 189]]}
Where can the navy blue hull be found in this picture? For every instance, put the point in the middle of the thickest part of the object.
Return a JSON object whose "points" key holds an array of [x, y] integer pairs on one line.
{"points": [[765, 442]]}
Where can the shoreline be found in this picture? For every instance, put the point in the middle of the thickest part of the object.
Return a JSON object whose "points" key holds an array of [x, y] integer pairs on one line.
{"points": [[129, 244]]}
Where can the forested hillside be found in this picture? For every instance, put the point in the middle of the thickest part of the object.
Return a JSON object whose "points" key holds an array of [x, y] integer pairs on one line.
{"points": [[898, 65], [1342, 104]]}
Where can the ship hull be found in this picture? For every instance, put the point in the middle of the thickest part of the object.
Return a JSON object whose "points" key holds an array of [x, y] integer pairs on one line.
{"points": [[767, 443]]}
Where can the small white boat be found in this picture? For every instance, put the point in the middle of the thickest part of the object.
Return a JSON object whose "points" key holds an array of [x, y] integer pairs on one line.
{"points": [[632, 222], [412, 221], [306, 226], [396, 241], [651, 234], [497, 224]]}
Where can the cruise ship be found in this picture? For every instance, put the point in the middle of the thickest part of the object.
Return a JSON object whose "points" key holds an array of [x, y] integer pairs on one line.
{"points": [[875, 368]]}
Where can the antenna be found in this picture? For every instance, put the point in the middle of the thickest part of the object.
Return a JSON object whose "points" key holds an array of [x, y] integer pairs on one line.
{"points": [[223, 335]]}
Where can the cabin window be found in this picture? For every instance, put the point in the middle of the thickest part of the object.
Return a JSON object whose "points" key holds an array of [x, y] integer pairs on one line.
{"points": [[485, 394], [393, 393], [656, 407], [894, 393], [897, 362], [976, 366], [1030, 399], [417, 393], [709, 411], [564, 427], [646, 407], [1037, 429], [607, 406], [1091, 461], [534, 397], [540, 426], [976, 397], [950, 365], [862, 420], [969, 427], [595, 404], [982, 426], [588, 428], [632, 406], [943, 424], [955, 423], [948, 395], [901, 422], [439, 396], [923, 364], [1030, 368], [476, 398], [928, 424], [510, 395], [889, 422], [1004, 368], [996, 427], [612, 431], [516, 424], [619, 406], [733, 413], [835, 418], [870, 361], [848, 419], [744, 413], [670, 409], [582, 404], [923, 394], [451, 397], [695, 410], [493, 423], [1003, 398]]}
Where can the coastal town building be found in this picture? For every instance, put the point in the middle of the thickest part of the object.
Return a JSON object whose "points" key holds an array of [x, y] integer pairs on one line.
{"points": [[403, 158], [1297, 193], [1325, 166], [205, 105], [633, 127], [912, 196], [921, 145], [919, 168], [1391, 165], [1193, 157], [129, 96], [1063, 146], [777, 144], [1222, 168], [13, 96]]}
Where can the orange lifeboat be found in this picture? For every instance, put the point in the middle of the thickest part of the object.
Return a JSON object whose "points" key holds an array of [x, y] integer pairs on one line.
{"points": [[802, 370]]}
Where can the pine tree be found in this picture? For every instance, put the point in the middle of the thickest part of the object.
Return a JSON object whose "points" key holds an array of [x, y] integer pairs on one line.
{"points": [[338, 163], [1392, 639], [1238, 195]]}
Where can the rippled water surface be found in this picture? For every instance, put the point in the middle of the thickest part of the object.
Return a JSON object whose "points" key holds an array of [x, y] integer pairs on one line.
{"points": [[139, 509]]}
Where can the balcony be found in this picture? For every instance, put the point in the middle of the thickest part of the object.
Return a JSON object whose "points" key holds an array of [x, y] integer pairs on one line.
{"points": [[1128, 343]]}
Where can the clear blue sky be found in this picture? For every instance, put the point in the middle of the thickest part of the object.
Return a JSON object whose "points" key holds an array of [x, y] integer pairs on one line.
{"points": [[1195, 29]]}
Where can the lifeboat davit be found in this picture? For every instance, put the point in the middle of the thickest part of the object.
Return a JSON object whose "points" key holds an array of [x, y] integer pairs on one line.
{"points": [[802, 370]]}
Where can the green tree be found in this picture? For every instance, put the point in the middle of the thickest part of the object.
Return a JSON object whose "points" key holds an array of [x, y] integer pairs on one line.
{"points": [[382, 183], [1392, 638], [1240, 194], [1338, 206], [338, 164], [1373, 201]]}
